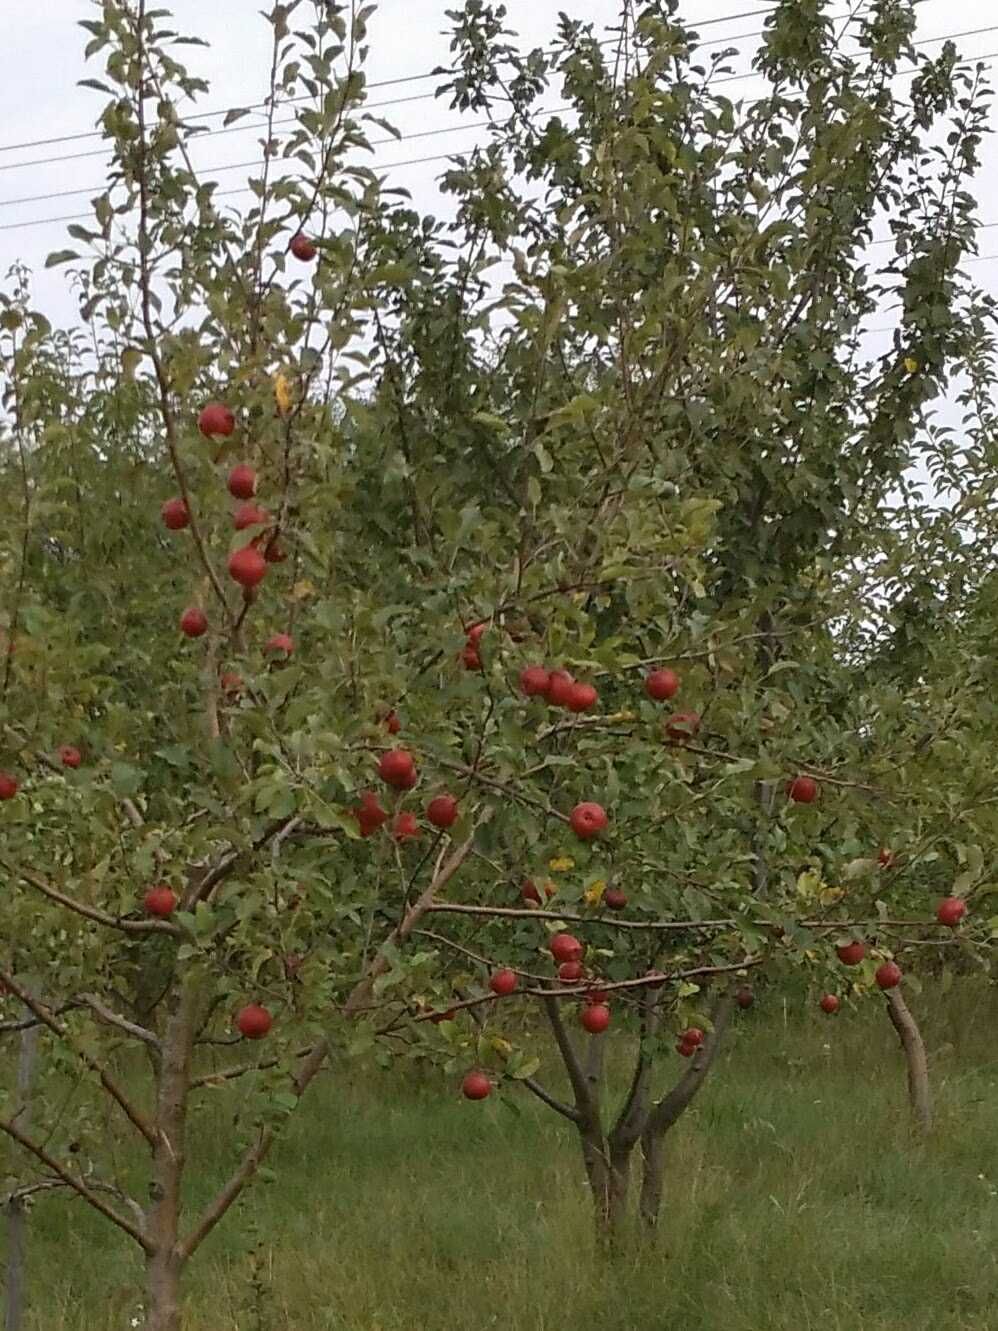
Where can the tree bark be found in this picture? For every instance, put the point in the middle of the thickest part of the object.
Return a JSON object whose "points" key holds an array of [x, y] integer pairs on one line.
{"points": [[919, 1090], [15, 1300], [667, 1112], [165, 1262]]}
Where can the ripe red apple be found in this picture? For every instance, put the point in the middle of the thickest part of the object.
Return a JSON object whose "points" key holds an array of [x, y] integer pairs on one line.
{"points": [[693, 1036], [397, 768], [247, 566], [442, 811], [851, 954], [582, 698], [588, 820], [476, 1086], [829, 1003], [193, 622], [231, 684], [888, 975], [302, 248], [661, 685], [216, 420], [886, 858], [559, 688], [281, 644], [685, 1050], [8, 786], [614, 898], [595, 1018], [951, 911], [565, 947], [160, 900], [503, 982], [391, 723], [369, 814], [175, 514], [70, 756], [405, 827], [745, 998], [249, 515], [242, 482], [529, 892], [681, 727], [534, 681], [570, 972], [253, 1021], [802, 790], [470, 657], [476, 631]]}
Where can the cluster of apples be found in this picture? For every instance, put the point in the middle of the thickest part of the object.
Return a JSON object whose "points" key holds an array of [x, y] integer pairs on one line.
{"points": [[68, 754], [558, 688], [397, 768], [247, 565]]}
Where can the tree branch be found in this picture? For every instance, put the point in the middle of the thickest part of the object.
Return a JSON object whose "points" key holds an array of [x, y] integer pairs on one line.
{"points": [[91, 912], [122, 1023]]}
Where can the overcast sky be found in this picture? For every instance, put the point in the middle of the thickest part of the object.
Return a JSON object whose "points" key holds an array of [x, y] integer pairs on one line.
{"points": [[41, 60]]}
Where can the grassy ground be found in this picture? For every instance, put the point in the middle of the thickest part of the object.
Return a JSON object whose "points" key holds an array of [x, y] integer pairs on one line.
{"points": [[796, 1200]]}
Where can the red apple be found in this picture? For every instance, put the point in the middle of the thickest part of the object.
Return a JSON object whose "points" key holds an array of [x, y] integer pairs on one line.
{"points": [[405, 827], [175, 514], [595, 995], [681, 727], [281, 644], [470, 657], [685, 1050], [476, 1086], [570, 972], [231, 684], [595, 1018], [247, 566], [391, 723], [829, 1003], [274, 552], [802, 790], [442, 811], [951, 911], [8, 786], [503, 982], [588, 820], [369, 814], [160, 900], [745, 998], [215, 420], [614, 898], [193, 622], [582, 698], [888, 975], [851, 954], [70, 756], [693, 1036], [476, 631], [565, 947], [529, 892], [302, 248], [661, 685], [253, 1021], [534, 681], [249, 515], [886, 858], [559, 688], [397, 768], [242, 482]]}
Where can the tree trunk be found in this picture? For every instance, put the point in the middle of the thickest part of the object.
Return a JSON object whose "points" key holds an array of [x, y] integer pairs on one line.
{"points": [[653, 1173], [15, 1300], [919, 1091], [163, 1292]]}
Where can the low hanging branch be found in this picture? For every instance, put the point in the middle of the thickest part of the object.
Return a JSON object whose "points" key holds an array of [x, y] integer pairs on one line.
{"points": [[90, 912]]}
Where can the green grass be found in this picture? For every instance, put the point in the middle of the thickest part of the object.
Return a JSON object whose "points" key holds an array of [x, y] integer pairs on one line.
{"points": [[795, 1199]]}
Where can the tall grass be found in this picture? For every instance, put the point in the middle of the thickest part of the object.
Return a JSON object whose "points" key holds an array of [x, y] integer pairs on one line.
{"points": [[796, 1198]]}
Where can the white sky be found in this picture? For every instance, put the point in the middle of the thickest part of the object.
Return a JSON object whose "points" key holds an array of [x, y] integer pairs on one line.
{"points": [[41, 59]]}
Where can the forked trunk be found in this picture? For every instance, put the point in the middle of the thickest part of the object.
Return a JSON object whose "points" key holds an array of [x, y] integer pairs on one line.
{"points": [[609, 1174], [919, 1090]]}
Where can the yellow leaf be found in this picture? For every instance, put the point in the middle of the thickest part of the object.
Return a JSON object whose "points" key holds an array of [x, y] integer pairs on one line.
{"points": [[594, 892], [911, 364], [561, 864], [501, 1046], [301, 591], [283, 395]]}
